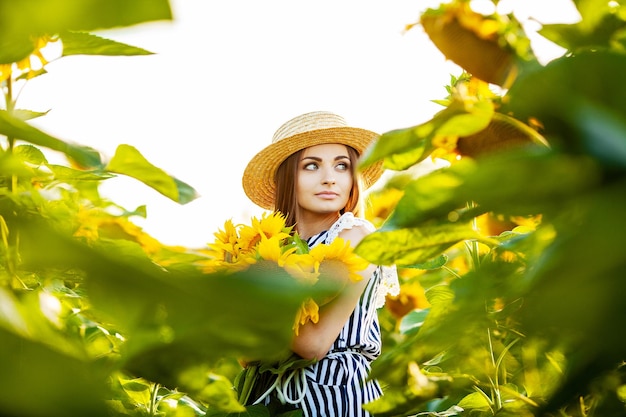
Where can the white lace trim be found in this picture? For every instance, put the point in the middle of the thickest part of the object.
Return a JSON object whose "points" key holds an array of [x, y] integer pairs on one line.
{"points": [[389, 284]]}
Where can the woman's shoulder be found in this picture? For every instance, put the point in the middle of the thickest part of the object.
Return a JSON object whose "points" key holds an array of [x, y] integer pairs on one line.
{"points": [[350, 227]]}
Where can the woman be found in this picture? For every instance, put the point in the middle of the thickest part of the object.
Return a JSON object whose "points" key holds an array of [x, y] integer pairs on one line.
{"points": [[308, 173]]}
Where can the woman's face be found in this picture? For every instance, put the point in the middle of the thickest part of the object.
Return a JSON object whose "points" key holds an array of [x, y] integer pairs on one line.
{"points": [[324, 179]]}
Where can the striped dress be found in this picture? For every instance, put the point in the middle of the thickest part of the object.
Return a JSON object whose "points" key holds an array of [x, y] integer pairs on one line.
{"points": [[337, 384]]}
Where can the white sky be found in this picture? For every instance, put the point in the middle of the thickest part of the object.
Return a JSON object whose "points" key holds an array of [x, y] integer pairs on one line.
{"points": [[227, 73]]}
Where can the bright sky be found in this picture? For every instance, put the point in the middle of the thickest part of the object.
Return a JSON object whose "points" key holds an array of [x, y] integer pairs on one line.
{"points": [[227, 73]]}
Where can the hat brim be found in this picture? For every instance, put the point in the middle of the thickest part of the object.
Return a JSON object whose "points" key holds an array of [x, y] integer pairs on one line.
{"points": [[258, 177]]}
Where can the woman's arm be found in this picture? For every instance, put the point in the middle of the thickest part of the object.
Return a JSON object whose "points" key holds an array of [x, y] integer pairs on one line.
{"points": [[315, 339]]}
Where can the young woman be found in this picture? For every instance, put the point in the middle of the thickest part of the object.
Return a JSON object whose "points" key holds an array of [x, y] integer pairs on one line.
{"points": [[308, 174]]}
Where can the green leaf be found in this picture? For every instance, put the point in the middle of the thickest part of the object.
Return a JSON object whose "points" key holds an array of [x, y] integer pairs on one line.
{"points": [[44, 382], [13, 47], [599, 26], [23, 114], [440, 295], [30, 154], [21, 20], [251, 411], [173, 320], [431, 196], [56, 16], [130, 162], [556, 97], [81, 43], [435, 263], [402, 149], [603, 133], [219, 393], [474, 401], [529, 182], [415, 245], [412, 322], [65, 174], [473, 120], [13, 127], [11, 165]]}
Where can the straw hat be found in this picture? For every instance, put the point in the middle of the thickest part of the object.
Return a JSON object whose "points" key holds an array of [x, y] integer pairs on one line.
{"points": [[306, 130]]}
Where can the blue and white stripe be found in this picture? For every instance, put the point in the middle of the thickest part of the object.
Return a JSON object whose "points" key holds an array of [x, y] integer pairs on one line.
{"points": [[338, 385]]}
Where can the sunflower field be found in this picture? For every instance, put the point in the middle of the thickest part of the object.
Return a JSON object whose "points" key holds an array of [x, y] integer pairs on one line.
{"points": [[511, 300]]}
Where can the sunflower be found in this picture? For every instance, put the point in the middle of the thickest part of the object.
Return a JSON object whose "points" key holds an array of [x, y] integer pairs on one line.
{"points": [[226, 244], [303, 267], [341, 252], [487, 46], [271, 249], [268, 246], [25, 65], [270, 225], [309, 311]]}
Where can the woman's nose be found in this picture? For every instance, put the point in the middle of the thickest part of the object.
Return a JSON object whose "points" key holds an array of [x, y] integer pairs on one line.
{"points": [[329, 177]]}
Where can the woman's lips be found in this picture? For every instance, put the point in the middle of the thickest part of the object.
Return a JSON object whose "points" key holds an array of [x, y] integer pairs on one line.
{"points": [[327, 195]]}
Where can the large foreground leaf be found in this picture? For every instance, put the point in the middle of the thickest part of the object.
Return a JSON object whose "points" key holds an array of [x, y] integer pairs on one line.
{"points": [[576, 297], [19, 20], [580, 117], [129, 161], [38, 381], [173, 320], [517, 183], [18, 129], [81, 43], [406, 247], [401, 149]]}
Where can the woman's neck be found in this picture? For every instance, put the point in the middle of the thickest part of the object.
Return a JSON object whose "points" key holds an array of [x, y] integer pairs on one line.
{"points": [[309, 224]]}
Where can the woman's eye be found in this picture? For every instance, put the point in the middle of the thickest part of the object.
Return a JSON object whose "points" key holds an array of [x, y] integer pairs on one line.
{"points": [[310, 166], [343, 166]]}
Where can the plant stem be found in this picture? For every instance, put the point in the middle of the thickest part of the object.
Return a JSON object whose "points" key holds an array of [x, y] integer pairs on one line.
{"points": [[154, 399]]}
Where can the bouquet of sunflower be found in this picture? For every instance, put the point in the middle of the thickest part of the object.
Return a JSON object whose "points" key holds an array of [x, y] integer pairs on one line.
{"points": [[267, 243], [267, 240]]}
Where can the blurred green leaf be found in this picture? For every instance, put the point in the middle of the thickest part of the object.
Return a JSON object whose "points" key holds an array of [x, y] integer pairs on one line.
{"points": [[577, 291], [556, 97], [129, 161], [251, 411], [13, 127], [81, 43], [475, 401], [23, 114], [65, 174], [529, 182], [30, 154], [576, 297], [173, 320], [412, 322], [12, 165], [434, 263], [13, 48], [432, 196], [513, 183], [412, 246], [401, 149], [599, 27], [20, 20], [602, 131], [41, 382]]}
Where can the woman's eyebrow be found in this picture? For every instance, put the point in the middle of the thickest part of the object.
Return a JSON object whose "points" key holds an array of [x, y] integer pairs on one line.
{"points": [[317, 158]]}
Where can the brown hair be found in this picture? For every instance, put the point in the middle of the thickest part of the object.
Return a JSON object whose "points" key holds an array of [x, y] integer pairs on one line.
{"points": [[285, 199]]}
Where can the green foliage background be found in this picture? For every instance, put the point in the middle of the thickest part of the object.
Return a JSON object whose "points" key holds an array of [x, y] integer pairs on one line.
{"points": [[98, 318]]}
